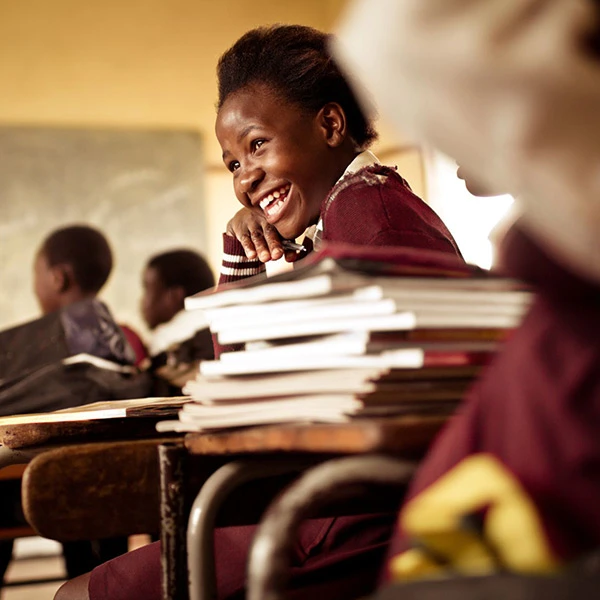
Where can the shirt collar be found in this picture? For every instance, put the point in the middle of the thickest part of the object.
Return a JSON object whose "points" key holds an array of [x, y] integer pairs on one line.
{"points": [[362, 160], [365, 159]]}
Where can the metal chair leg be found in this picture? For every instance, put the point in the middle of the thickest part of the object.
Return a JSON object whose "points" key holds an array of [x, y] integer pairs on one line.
{"points": [[200, 544], [172, 460], [273, 543]]}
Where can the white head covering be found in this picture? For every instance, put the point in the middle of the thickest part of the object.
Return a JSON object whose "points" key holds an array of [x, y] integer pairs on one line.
{"points": [[505, 87]]}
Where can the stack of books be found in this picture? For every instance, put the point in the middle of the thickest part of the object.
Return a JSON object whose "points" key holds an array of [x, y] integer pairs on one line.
{"points": [[353, 333]]}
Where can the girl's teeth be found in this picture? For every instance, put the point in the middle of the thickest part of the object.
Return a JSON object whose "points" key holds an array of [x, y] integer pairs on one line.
{"points": [[265, 202], [274, 208]]}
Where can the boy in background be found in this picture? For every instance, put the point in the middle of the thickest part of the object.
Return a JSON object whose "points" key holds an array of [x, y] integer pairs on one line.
{"points": [[71, 266], [179, 339], [168, 279]]}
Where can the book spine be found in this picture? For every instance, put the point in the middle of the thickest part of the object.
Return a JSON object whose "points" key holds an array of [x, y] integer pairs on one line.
{"points": [[442, 335], [433, 358]]}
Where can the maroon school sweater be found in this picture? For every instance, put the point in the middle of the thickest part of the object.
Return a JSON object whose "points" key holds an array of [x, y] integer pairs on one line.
{"points": [[372, 207], [376, 207], [514, 479]]}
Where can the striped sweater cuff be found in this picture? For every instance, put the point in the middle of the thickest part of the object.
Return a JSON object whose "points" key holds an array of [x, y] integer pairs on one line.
{"points": [[235, 264]]}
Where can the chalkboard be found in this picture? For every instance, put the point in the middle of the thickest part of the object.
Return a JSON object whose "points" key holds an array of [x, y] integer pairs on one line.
{"points": [[143, 189]]}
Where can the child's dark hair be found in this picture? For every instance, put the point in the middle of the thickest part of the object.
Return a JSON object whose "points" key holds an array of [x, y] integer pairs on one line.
{"points": [[85, 249], [183, 268], [592, 39], [295, 61]]}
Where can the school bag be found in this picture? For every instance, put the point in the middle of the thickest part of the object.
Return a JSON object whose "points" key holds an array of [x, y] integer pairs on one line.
{"points": [[71, 357]]}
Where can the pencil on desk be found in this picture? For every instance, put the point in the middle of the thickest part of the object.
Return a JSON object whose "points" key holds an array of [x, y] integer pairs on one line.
{"points": [[289, 245]]}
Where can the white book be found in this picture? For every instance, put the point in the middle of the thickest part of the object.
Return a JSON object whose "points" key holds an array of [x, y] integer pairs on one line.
{"points": [[111, 409], [325, 403], [174, 426], [355, 343], [210, 390], [243, 313], [309, 314], [402, 321], [406, 298], [465, 320], [333, 408], [352, 343], [401, 359], [270, 316], [394, 322], [424, 291], [319, 285]]}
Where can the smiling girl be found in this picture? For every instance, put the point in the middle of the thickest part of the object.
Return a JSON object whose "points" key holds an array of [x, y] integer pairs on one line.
{"points": [[296, 142]]}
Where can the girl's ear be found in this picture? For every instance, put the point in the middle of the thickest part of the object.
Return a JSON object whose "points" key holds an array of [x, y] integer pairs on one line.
{"points": [[332, 121]]}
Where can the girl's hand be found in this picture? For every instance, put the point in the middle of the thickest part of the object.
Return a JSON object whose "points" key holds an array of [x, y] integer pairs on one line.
{"points": [[258, 238]]}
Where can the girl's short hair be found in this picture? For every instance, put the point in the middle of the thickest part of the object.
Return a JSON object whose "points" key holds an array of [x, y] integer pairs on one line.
{"points": [[295, 61]]}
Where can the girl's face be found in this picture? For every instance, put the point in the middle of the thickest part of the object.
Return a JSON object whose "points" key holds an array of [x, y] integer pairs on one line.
{"points": [[282, 159]]}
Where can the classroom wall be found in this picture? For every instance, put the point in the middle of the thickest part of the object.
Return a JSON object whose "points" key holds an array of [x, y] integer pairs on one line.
{"points": [[141, 64]]}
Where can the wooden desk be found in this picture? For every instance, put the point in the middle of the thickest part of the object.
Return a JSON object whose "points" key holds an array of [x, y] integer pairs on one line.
{"points": [[101, 421], [21, 436], [24, 436], [116, 482], [259, 453], [402, 435], [55, 509]]}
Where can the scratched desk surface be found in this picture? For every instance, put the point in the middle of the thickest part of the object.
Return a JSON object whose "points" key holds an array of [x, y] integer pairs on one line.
{"points": [[399, 435], [105, 421]]}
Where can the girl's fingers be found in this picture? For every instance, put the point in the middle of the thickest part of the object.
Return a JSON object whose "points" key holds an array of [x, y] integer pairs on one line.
{"points": [[248, 245], [273, 240], [262, 247], [258, 238], [292, 256]]}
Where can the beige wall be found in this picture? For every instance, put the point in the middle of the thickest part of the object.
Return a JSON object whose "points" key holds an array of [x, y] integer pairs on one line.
{"points": [[140, 63]]}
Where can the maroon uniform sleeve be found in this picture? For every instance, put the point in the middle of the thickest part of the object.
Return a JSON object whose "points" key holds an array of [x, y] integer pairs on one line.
{"points": [[236, 266], [376, 207]]}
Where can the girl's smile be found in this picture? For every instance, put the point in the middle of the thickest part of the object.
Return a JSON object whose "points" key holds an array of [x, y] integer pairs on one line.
{"points": [[272, 203]]}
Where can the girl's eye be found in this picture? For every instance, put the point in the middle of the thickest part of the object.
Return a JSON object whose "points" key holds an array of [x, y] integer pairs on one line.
{"points": [[234, 165], [256, 144]]}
